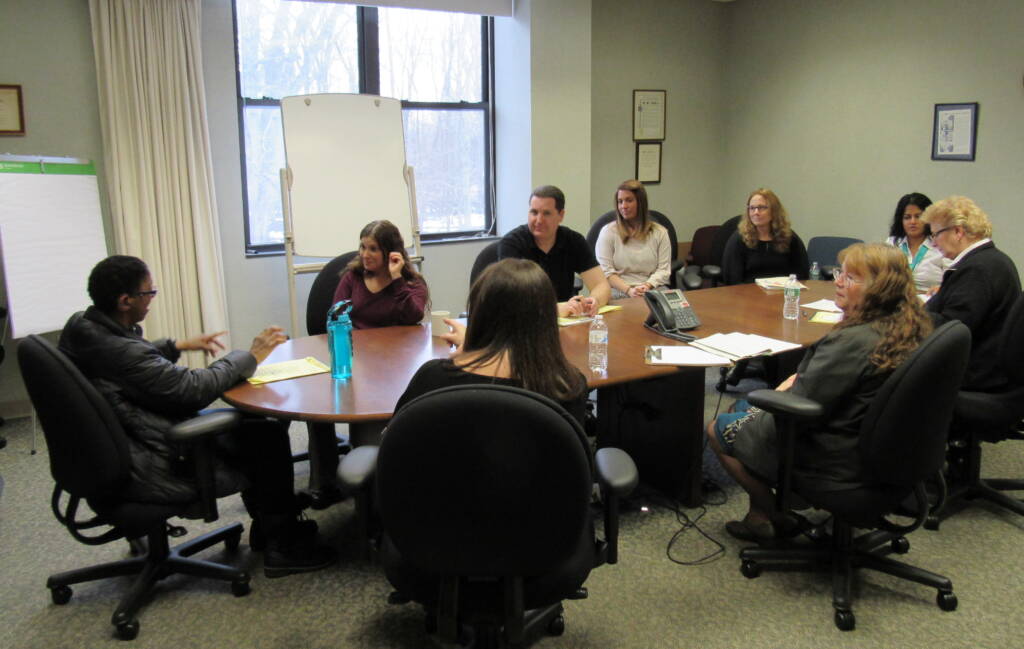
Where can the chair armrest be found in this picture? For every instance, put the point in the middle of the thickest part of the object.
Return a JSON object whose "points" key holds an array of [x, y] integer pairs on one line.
{"points": [[711, 271], [198, 432], [616, 471], [689, 278], [786, 403], [358, 466], [617, 475], [211, 423]]}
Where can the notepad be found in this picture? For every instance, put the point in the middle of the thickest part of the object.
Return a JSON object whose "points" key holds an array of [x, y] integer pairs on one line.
{"points": [[580, 319], [774, 283], [287, 370], [735, 346]]}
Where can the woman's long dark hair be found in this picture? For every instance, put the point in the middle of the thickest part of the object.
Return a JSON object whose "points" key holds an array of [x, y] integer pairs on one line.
{"points": [[389, 240], [913, 198], [512, 308], [890, 304]]}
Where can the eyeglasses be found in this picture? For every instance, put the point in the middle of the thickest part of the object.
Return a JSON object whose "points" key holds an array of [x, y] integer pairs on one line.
{"points": [[149, 293], [844, 278], [935, 235], [757, 208]]}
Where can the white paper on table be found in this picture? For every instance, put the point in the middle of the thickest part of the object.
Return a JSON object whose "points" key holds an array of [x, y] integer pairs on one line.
{"points": [[682, 355], [823, 305]]}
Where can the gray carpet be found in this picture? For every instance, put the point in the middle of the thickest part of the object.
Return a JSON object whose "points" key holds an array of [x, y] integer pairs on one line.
{"points": [[644, 601]]}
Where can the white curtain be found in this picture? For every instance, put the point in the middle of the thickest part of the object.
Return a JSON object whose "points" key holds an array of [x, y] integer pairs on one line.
{"points": [[158, 162]]}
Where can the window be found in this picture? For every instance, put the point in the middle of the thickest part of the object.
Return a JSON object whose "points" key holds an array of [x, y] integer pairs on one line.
{"points": [[437, 63]]}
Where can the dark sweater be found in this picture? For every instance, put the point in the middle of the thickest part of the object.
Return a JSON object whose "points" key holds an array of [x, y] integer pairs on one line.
{"points": [[979, 292], [399, 303], [742, 265], [443, 373]]}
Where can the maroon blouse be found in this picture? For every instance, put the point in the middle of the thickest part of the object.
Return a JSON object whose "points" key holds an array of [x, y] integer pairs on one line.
{"points": [[399, 303]]}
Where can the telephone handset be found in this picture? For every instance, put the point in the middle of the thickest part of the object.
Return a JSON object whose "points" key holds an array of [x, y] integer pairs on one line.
{"points": [[670, 313]]}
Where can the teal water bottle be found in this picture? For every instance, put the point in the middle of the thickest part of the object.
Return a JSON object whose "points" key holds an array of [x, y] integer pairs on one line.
{"points": [[339, 339]]}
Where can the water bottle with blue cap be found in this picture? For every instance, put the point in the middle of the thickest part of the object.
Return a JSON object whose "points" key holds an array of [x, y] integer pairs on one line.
{"points": [[339, 339]]}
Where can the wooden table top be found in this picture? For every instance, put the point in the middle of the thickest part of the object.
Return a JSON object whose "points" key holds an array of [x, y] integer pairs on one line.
{"points": [[385, 359]]}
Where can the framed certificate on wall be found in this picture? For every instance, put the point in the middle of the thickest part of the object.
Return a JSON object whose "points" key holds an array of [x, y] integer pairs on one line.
{"points": [[12, 115], [955, 131], [648, 162], [648, 115]]}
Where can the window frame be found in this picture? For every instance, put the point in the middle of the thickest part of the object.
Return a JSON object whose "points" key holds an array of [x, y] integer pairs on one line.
{"points": [[367, 43]]}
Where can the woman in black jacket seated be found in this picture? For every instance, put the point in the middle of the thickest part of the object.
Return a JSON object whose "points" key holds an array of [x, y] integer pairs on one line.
{"points": [[883, 323], [764, 244], [511, 339]]}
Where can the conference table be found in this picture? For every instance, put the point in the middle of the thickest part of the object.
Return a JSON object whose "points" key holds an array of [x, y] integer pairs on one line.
{"points": [[385, 359]]}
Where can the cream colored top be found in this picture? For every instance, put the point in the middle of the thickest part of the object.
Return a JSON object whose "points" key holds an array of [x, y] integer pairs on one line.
{"points": [[635, 261]]}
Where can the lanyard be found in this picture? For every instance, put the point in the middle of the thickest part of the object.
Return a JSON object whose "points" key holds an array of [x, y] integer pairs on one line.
{"points": [[921, 252]]}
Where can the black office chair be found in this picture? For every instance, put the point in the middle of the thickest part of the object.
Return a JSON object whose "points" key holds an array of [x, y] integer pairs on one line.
{"points": [[902, 445], [658, 217], [487, 256], [486, 519], [987, 417], [318, 303], [700, 271], [90, 461], [825, 251]]}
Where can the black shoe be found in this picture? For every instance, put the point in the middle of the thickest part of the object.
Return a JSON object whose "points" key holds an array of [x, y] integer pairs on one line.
{"points": [[305, 529], [289, 555], [324, 498]]}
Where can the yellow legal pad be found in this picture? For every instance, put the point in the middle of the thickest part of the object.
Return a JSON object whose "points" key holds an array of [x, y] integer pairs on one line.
{"points": [[287, 370], [575, 320]]}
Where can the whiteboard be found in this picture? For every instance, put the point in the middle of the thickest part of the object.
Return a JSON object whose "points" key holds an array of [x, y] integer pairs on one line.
{"points": [[51, 235], [346, 155]]}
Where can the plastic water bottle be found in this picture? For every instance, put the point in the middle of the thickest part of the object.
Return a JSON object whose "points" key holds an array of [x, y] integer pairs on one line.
{"points": [[598, 345], [339, 339], [815, 271], [791, 294]]}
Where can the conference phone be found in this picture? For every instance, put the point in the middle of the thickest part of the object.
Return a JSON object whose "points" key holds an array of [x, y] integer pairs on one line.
{"points": [[670, 314]]}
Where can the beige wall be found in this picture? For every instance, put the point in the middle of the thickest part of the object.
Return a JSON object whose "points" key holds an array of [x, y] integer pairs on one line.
{"points": [[676, 47], [831, 102]]}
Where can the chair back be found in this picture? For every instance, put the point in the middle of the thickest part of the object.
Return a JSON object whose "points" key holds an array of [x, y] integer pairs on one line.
{"points": [[484, 480], [657, 217], [825, 250], [1011, 347], [321, 294], [903, 435], [721, 238], [484, 258], [87, 447], [700, 248]]}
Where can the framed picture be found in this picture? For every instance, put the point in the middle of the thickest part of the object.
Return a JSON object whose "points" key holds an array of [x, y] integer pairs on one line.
{"points": [[648, 115], [955, 131], [12, 115], [648, 162]]}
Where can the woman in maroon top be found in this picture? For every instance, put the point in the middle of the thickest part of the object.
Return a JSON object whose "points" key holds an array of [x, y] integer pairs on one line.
{"points": [[385, 291], [384, 288]]}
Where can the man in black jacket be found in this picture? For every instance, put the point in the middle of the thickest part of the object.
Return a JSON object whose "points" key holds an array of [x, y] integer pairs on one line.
{"points": [[150, 393]]}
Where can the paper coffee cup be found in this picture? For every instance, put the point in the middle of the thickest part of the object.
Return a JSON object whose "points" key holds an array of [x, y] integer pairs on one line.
{"points": [[437, 325]]}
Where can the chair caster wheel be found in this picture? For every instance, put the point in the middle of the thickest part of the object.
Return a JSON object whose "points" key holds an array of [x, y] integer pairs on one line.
{"points": [[845, 621], [60, 594], [557, 625], [946, 601], [128, 630], [241, 587], [900, 545], [750, 569], [932, 523]]}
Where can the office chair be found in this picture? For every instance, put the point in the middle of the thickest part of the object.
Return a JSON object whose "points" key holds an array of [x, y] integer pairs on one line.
{"points": [[318, 302], [987, 417], [91, 462], [825, 251], [487, 256], [700, 271], [486, 519], [657, 217], [902, 445]]}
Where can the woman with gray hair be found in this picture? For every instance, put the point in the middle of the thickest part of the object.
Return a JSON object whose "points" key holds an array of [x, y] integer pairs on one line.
{"points": [[978, 289]]}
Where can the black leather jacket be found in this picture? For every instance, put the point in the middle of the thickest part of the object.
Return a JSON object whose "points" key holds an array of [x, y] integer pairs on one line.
{"points": [[150, 393]]}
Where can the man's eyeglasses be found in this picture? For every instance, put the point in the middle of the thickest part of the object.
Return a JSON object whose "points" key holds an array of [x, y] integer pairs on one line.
{"points": [[149, 293]]}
